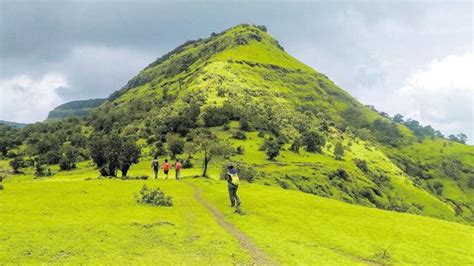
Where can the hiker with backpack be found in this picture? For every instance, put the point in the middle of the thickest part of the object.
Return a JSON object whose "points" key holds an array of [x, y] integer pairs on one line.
{"points": [[233, 184], [177, 167], [166, 168], [155, 165]]}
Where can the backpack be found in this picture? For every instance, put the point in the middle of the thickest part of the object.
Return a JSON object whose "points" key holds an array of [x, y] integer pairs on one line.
{"points": [[234, 179], [155, 164]]}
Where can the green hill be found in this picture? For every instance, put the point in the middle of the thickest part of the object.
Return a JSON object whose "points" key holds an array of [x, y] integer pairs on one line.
{"points": [[74, 108], [304, 148]]}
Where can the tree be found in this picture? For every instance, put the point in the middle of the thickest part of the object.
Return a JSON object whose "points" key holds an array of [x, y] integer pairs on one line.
{"points": [[130, 154], [105, 152], [272, 148], [175, 145], [313, 141], [39, 168], [462, 138], [338, 151], [398, 118], [68, 158], [211, 146], [16, 164]]}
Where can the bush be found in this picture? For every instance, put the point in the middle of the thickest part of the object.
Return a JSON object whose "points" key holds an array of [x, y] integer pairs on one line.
{"points": [[239, 135], [362, 165], [215, 116], [1, 186], [340, 173], [470, 183], [437, 187], [313, 141], [16, 164], [240, 150], [187, 164], [338, 151], [245, 171], [271, 148], [155, 197], [382, 180], [226, 127]]}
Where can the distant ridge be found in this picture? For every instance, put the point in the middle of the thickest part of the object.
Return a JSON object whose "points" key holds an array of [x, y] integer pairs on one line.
{"points": [[13, 124], [74, 108]]}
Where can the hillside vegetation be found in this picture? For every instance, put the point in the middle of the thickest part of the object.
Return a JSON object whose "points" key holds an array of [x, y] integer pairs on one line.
{"points": [[283, 123]]}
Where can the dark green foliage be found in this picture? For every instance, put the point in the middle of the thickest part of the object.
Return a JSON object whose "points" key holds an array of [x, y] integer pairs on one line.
{"points": [[470, 182], [313, 141], [339, 174], [1, 187], [112, 152], [68, 159], [215, 116], [436, 186], [52, 156], [338, 151], [9, 138], [382, 180], [240, 150], [39, 168], [175, 145], [187, 163], [272, 148], [386, 132], [16, 164], [239, 135], [452, 168], [461, 138], [362, 165], [153, 196], [226, 127]]}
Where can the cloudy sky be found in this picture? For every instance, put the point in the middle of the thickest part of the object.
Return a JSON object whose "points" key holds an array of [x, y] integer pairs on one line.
{"points": [[413, 58]]}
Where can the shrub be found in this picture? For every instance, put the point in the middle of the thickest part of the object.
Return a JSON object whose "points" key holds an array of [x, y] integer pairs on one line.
{"points": [[271, 148], [382, 180], [239, 135], [1, 186], [313, 141], [437, 187], [338, 151], [240, 150], [155, 197], [362, 165], [215, 116], [187, 163], [39, 169], [226, 127], [470, 183], [339, 173], [16, 164]]}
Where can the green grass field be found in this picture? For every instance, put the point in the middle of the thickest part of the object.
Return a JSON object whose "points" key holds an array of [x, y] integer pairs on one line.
{"points": [[66, 219]]}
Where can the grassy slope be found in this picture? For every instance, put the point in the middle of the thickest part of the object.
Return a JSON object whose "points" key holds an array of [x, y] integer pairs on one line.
{"points": [[97, 221]]}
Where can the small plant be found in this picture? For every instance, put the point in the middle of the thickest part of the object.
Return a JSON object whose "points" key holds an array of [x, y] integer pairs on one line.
{"points": [[339, 174], [338, 151], [154, 197], [240, 150], [1, 186], [239, 135], [362, 165]]}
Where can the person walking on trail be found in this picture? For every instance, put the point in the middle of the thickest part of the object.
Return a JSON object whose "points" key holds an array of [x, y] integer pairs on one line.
{"points": [[155, 165], [177, 167], [233, 184], [166, 168]]}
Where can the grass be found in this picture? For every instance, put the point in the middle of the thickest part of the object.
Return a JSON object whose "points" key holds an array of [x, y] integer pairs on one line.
{"points": [[66, 219]]}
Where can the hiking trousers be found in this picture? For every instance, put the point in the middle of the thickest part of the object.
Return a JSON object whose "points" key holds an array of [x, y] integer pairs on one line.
{"points": [[178, 174], [233, 195]]}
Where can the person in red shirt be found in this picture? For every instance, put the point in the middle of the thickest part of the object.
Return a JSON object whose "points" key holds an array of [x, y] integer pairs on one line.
{"points": [[166, 168], [177, 167]]}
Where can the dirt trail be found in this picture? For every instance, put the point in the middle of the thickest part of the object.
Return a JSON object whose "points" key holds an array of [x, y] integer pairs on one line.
{"points": [[258, 256]]}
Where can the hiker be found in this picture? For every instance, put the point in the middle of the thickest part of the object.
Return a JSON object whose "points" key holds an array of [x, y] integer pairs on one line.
{"points": [[233, 184], [166, 168], [177, 167], [155, 165]]}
